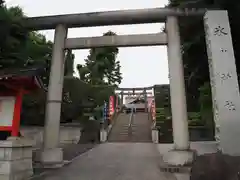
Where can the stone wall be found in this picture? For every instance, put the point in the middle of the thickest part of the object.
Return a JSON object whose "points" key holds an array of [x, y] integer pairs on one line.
{"points": [[69, 134], [16, 159]]}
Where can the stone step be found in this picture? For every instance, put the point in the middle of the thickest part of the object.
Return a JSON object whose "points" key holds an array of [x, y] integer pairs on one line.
{"points": [[139, 132]]}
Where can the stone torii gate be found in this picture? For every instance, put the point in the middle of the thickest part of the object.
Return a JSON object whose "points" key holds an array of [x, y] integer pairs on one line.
{"points": [[223, 73], [132, 91]]}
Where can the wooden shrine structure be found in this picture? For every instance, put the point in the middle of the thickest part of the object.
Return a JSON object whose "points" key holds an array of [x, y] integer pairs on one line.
{"points": [[14, 83]]}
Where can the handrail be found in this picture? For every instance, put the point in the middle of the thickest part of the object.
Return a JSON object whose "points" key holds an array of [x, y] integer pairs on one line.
{"points": [[130, 123], [130, 119], [110, 126]]}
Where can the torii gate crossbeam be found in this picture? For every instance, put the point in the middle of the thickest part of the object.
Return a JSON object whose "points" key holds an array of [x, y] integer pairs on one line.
{"points": [[117, 41], [120, 17]]}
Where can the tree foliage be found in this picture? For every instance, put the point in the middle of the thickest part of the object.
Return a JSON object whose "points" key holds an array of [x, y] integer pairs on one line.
{"points": [[69, 63], [101, 66], [13, 37], [20, 48]]}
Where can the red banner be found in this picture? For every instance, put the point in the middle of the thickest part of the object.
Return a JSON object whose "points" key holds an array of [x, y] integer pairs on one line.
{"points": [[153, 110], [116, 103], [111, 105]]}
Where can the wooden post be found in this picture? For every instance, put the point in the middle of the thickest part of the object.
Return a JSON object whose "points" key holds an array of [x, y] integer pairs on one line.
{"points": [[17, 114]]}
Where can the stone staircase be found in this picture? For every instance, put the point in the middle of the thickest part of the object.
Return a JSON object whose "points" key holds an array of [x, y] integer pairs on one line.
{"points": [[140, 130], [119, 130]]}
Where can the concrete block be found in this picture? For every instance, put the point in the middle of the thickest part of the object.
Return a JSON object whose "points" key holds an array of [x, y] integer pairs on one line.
{"points": [[103, 135], [13, 167], [109, 128], [6, 177], [16, 142], [34, 133], [5, 167], [51, 156], [15, 159], [13, 153], [178, 157], [155, 136], [68, 134], [36, 155], [27, 153], [2, 153], [18, 176], [21, 165], [182, 176]]}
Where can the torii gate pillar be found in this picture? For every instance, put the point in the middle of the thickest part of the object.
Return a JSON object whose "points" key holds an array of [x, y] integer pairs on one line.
{"points": [[52, 154], [181, 154], [121, 98], [145, 99]]}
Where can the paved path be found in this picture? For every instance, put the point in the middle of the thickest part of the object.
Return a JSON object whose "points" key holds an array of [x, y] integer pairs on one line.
{"points": [[113, 161]]}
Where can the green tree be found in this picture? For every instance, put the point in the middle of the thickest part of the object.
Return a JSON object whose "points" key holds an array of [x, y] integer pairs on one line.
{"points": [[13, 37], [69, 63], [101, 66], [205, 101], [20, 48]]}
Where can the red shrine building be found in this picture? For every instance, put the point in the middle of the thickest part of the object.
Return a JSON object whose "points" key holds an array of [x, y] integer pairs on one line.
{"points": [[13, 85]]}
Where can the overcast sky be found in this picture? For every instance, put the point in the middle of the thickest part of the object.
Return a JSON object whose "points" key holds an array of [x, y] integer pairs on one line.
{"points": [[141, 66]]}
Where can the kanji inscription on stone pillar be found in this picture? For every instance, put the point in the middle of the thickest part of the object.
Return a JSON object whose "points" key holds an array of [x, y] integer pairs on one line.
{"points": [[224, 83]]}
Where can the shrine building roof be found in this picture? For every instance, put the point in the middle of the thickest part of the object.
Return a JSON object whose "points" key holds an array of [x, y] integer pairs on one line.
{"points": [[27, 78]]}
